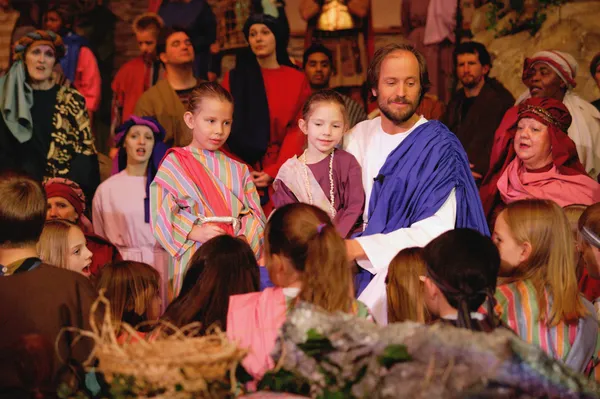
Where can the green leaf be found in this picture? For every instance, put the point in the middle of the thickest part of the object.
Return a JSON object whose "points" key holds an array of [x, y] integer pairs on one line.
{"points": [[316, 345], [393, 354], [284, 381]]}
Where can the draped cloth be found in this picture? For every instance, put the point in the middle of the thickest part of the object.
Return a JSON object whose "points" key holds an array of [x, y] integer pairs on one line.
{"points": [[417, 178], [551, 113]]}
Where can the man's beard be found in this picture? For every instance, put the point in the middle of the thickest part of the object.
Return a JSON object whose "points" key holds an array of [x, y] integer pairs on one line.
{"points": [[397, 117], [472, 83]]}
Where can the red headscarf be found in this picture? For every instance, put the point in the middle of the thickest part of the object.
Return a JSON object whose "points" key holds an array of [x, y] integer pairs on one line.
{"points": [[551, 113], [69, 190]]}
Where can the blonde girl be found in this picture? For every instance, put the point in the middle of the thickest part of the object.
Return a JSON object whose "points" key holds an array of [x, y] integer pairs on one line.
{"points": [[62, 244], [405, 295], [538, 296]]}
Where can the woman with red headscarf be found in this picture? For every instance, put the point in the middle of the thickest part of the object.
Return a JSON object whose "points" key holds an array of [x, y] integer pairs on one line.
{"points": [[67, 201], [536, 159]]}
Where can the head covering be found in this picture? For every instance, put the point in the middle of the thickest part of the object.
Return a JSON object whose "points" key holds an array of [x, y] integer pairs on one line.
{"points": [[594, 64], [69, 190], [16, 96], [251, 127], [39, 37], [158, 151], [557, 118], [563, 64]]}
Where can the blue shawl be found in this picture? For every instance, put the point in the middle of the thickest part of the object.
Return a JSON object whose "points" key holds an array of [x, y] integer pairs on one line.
{"points": [[417, 178], [73, 44]]}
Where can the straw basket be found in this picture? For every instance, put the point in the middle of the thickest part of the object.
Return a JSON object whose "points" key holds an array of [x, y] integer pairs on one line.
{"points": [[174, 363]]}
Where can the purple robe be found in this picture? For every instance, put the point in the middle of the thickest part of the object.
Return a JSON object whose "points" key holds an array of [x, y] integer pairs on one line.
{"points": [[348, 192]]}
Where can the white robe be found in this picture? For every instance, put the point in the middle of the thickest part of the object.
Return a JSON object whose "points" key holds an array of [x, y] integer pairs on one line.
{"points": [[118, 215], [584, 130], [371, 146]]}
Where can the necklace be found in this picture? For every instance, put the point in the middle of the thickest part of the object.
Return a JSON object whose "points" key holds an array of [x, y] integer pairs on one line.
{"points": [[307, 183]]}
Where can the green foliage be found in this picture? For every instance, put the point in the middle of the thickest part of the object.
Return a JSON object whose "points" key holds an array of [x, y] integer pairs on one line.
{"points": [[284, 381], [316, 345], [393, 354], [531, 25]]}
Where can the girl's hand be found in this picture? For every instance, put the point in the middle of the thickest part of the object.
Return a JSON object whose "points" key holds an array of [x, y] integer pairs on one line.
{"points": [[261, 179], [204, 232]]}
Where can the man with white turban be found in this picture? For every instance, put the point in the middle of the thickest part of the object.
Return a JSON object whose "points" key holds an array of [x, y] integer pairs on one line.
{"points": [[552, 74]]}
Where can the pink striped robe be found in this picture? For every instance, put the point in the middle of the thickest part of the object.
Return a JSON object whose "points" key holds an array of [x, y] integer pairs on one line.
{"points": [[175, 204]]}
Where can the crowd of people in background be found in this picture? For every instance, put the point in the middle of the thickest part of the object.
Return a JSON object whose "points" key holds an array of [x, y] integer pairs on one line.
{"points": [[338, 179]]}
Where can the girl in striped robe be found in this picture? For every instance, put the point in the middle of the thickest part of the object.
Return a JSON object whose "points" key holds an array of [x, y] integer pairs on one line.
{"points": [[199, 192], [537, 294]]}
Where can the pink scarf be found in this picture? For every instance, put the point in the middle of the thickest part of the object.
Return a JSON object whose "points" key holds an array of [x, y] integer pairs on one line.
{"points": [[517, 184], [253, 321]]}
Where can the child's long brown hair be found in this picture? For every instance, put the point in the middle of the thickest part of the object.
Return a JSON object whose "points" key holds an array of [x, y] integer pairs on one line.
{"points": [[551, 264], [305, 236], [130, 287], [405, 296]]}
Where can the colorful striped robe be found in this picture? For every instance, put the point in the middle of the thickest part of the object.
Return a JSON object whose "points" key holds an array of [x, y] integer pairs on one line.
{"points": [[176, 204], [518, 307]]}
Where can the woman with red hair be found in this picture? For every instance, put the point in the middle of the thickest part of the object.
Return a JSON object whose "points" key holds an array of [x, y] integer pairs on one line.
{"points": [[536, 159]]}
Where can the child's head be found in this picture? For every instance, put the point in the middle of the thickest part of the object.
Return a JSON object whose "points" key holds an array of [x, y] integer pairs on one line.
{"points": [[462, 268], [209, 115], [222, 266], [62, 244], [405, 295], [22, 210], [589, 239], [324, 120], [303, 249], [535, 243], [133, 291]]}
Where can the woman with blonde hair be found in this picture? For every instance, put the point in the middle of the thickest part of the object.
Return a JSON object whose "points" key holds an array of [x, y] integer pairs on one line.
{"points": [[62, 244], [405, 295], [133, 291], [538, 294]]}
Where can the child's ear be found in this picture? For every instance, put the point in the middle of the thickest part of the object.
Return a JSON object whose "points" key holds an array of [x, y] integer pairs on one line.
{"points": [[303, 125], [188, 118], [526, 250]]}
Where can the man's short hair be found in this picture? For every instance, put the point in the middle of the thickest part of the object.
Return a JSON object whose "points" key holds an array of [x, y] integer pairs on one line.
{"points": [[163, 36], [148, 20], [381, 54], [473, 48], [22, 210], [317, 48]]}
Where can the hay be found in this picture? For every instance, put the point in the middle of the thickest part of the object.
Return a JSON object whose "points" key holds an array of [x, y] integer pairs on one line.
{"points": [[173, 362]]}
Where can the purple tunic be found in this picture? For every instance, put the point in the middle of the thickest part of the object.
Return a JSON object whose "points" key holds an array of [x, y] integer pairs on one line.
{"points": [[348, 191]]}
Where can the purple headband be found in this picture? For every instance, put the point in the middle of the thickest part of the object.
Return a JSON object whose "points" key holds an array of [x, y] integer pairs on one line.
{"points": [[133, 120]]}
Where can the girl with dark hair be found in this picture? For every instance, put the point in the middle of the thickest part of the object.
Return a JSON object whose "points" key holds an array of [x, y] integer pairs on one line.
{"points": [[121, 206], [323, 175], [306, 259], [269, 93], [223, 266], [461, 270]]}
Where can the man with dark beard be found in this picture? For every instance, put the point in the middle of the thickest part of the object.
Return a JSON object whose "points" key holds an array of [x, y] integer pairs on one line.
{"points": [[415, 173], [476, 109]]}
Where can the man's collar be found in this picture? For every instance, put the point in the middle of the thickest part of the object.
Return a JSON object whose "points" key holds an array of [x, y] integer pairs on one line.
{"points": [[21, 265]]}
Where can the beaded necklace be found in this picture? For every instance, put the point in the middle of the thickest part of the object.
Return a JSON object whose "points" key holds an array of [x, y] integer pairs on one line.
{"points": [[307, 183]]}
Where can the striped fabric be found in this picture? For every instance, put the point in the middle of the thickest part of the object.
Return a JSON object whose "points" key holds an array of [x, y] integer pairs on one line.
{"points": [[175, 203], [518, 308], [356, 113]]}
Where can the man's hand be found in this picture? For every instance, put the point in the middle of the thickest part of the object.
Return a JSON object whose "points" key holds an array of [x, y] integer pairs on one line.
{"points": [[204, 232], [261, 179], [354, 250], [476, 175]]}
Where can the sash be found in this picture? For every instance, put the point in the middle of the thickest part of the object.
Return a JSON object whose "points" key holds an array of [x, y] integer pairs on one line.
{"points": [[205, 181], [292, 174]]}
